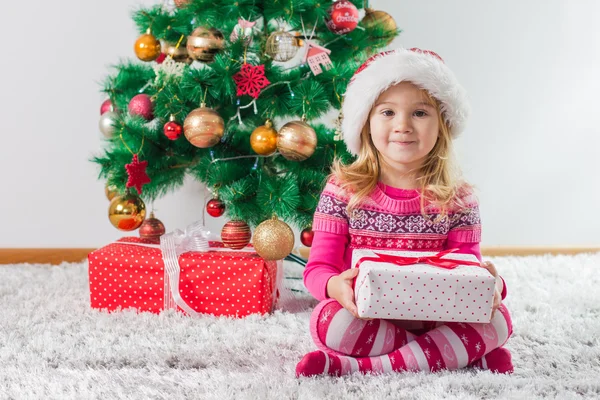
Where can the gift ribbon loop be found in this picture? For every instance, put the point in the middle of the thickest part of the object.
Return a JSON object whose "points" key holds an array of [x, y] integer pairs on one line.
{"points": [[172, 245], [436, 260]]}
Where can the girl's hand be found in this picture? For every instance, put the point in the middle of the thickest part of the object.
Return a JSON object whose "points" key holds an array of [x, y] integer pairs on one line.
{"points": [[339, 287], [498, 292]]}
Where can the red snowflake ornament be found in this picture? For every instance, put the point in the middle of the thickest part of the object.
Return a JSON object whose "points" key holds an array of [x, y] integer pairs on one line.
{"points": [[137, 173], [250, 80]]}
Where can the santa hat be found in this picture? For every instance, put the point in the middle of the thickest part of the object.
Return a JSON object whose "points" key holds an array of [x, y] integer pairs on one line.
{"points": [[423, 68]]}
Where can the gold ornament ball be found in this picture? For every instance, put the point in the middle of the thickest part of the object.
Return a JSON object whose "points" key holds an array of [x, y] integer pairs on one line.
{"points": [[297, 141], [373, 18], [181, 3], [273, 239], [236, 234], [204, 43], [127, 212], [147, 47], [110, 191], [281, 46], [178, 54], [203, 127], [264, 139], [152, 228]]}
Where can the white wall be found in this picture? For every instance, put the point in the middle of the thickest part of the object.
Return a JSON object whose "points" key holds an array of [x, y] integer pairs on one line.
{"points": [[531, 70]]}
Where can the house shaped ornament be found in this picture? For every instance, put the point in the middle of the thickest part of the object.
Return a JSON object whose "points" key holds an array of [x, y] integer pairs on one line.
{"points": [[317, 57]]}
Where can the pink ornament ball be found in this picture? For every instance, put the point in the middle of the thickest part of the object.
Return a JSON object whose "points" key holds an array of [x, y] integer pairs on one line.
{"points": [[141, 105], [106, 106]]}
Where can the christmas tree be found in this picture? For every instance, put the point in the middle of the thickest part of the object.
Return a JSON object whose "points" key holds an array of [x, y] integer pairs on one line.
{"points": [[216, 93]]}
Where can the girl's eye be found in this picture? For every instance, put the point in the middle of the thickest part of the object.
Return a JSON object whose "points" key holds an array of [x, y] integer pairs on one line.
{"points": [[387, 113], [420, 113]]}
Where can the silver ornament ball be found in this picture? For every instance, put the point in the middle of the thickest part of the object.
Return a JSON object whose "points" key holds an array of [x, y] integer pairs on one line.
{"points": [[107, 123], [282, 46]]}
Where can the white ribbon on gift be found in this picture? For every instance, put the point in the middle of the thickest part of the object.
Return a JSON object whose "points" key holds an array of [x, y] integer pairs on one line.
{"points": [[195, 238], [172, 245]]}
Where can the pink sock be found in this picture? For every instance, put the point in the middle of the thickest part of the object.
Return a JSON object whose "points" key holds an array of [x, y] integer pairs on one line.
{"points": [[450, 346], [335, 330], [498, 360]]}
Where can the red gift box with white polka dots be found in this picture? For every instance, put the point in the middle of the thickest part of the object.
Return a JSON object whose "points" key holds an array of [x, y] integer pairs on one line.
{"points": [[222, 283]]}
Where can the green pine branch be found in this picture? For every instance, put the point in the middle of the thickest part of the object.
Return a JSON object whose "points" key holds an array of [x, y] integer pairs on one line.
{"points": [[253, 187]]}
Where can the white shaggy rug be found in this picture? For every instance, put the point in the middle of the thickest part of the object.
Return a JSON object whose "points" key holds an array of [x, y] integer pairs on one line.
{"points": [[53, 346]]}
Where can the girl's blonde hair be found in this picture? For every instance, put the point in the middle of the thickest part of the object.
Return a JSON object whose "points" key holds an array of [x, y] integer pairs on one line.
{"points": [[439, 177]]}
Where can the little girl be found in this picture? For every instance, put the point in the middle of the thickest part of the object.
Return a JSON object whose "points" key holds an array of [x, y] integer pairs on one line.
{"points": [[401, 111]]}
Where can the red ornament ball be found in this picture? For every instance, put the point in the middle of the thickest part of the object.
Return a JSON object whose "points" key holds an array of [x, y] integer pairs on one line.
{"points": [[141, 105], [236, 234], [152, 228], [307, 236], [215, 208], [343, 17], [106, 106], [172, 130]]}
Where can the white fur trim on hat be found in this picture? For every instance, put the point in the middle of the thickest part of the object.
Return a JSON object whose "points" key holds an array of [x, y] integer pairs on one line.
{"points": [[423, 68]]}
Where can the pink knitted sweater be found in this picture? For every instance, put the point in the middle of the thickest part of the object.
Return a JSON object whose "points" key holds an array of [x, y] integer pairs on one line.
{"points": [[390, 219]]}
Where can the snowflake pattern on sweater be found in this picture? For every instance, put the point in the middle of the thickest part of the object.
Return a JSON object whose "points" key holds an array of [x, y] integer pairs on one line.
{"points": [[382, 222]]}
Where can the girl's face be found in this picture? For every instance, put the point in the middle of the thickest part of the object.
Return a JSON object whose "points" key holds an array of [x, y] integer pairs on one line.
{"points": [[404, 126]]}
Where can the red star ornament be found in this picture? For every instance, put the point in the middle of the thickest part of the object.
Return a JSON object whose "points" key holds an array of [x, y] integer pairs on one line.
{"points": [[137, 173], [250, 80]]}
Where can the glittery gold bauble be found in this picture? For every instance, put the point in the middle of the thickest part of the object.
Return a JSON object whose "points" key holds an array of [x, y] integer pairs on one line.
{"points": [[147, 47], [204, 43], [152, 228], [297, 141], [203, 127], [282, 46], [178, 54], [373, 18], [273, 239], [110, 191], [127, 212], [264, 139], [236, 234]]}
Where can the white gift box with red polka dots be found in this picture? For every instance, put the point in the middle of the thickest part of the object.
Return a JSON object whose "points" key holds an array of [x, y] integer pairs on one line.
{"points": [[126, 274], [422, 291]]}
